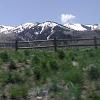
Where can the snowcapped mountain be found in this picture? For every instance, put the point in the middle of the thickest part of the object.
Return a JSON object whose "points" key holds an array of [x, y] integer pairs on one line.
{"points": [[81, 27], [30, 31], [44, 25], [5, 29], [77, 27], [94, 27], [45, 30], [17, 29]]}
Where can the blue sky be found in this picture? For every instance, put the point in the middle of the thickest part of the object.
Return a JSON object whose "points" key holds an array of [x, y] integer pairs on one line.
{"points": [[15, 12]]}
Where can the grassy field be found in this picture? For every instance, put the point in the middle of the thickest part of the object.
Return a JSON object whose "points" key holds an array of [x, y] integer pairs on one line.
{"points": [[72, 74]]}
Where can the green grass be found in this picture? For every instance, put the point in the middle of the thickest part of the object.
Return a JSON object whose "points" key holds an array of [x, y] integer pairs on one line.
{"points": [[64, 74]]}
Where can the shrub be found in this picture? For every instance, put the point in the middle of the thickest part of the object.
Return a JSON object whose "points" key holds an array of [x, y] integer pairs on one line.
{"points": [[37, 73], [4, 77], [94, 96], [18, 91], [74, 91], [74, 76], [28, 72], [16, 77], [12, 65], [54, 87], [35, 60], [44, 67], [4, 56], [19, 56], [91, 53], [97, 85], [94, 72], [53, 65], [26, 52], [61, 54], [1, 62]]}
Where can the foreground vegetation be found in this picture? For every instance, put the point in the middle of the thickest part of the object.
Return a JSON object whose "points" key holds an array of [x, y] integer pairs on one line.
{"points": [[73, 74]]}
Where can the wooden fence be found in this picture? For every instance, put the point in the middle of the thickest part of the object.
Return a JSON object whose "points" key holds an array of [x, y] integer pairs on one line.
{"points": [[52, 43]]}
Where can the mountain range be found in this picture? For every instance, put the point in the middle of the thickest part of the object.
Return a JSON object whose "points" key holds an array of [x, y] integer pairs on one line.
{"points": [[47, 30]]}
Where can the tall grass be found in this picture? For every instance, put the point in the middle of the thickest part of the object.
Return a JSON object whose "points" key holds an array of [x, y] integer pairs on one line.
{"points": [[53, 72]]}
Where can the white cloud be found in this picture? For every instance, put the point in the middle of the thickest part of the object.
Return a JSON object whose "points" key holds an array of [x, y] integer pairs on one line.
{"points": [[65, 18]]}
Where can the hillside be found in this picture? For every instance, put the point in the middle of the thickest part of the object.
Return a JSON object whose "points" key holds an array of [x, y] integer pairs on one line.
{"points": [[38, 75]]}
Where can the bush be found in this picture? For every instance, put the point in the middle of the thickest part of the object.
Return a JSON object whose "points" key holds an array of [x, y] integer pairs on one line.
{"points": [[16, 77], [4, 56], [44, 67], [44, 64], [74, 76], [37, 73], [54, 87], [26, 52], [61, 54], [19, 56], [4, 77], [94, 72], [91, 53], [94, 96], [12, 65], [53, 65], [97, 85], [74, 91], [18, 91], [35, 60], [28, 72]]}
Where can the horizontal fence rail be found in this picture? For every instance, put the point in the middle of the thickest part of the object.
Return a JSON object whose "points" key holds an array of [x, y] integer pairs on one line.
{"points": [[52, 43]]}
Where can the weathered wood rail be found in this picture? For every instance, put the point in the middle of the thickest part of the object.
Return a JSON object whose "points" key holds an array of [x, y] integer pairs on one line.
{"points": [[52, 43]]}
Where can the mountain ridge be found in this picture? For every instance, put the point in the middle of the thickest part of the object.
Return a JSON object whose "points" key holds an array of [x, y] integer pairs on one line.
{"points": [[44, 30], [73, 26]]}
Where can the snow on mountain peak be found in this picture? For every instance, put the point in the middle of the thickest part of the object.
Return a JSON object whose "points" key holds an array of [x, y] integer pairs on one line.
{"points": [[21, 27], [4, 29], [28, 25], [94, 27], [45, 25], [77, 26], [48, 23]]}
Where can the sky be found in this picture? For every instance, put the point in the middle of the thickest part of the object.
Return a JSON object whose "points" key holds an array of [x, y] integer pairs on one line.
{"points": [[16, 12]]}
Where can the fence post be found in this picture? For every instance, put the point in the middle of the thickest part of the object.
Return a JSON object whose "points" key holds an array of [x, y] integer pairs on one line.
{"points": [[55, 44], [16, 45], [95, 42]]}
